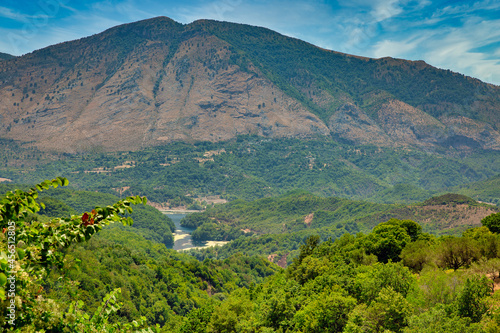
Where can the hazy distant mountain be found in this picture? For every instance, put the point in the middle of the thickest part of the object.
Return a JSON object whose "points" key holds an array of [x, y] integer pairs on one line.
{"points": [[156, 81]]}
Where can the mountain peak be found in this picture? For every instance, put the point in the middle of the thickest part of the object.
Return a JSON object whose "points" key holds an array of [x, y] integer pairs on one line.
{"points": [[156, 81]]}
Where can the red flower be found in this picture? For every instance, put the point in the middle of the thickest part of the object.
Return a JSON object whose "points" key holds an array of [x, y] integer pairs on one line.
{"points": [[85, 219]]}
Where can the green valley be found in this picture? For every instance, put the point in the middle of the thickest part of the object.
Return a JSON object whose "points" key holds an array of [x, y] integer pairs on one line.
{"points": [[351, 194], [393, 276], [252, 167]]}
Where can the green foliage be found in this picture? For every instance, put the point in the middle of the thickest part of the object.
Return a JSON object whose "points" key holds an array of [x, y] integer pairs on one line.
{"points": [[231, 316], [55, 208], [98, 322], [307, 249], [302, 214], [197, 320], [437, 320], [387, 241], [30, 248], [156, 282], [284, 246], [418, 254], [148, 221], [253, 167], [370, 280], [335, 286], [194, 220], [388, 312], [485, 190], [457, 252], [348, 283], [328, 312], [401, 193], [471, 302], [217, 232], [449, 198], [492, 222], [412, 228], [287, 213]]}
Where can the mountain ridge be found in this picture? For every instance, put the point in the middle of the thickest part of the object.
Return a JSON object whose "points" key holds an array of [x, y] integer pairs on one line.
{"points": [[156, 81], [5, 56]]}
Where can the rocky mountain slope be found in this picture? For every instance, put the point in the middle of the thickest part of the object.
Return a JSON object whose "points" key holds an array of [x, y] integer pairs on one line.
{"points": [[157, 81]]}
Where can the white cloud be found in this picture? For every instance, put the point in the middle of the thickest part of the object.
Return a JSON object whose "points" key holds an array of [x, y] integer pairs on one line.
{"points": [[20, 17], [445, 34], [277, 15], [454, 48], [124, 11], [467, 8], [396, 49], [386, 9]]}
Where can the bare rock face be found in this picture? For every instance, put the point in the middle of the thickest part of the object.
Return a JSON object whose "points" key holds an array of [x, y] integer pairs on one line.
{"points": [[409, 126], [156, 81], [466, 133], [218, 100], [350, 123], [398, 124], [154, 95]]}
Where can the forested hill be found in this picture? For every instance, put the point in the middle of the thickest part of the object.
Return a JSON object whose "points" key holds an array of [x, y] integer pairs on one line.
{"points": [[277, 226], [156, 81], [396, 278], [5, 56], [149, 223], [300, 211]]}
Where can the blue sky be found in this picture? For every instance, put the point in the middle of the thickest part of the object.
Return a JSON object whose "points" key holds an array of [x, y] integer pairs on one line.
{"points": [[463, 36]]}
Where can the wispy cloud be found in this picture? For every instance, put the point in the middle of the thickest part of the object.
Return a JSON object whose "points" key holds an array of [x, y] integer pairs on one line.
{"points": [[461, 35], [11, 14], [457, 50], [386, 9], [271, 14], [462, 42]]}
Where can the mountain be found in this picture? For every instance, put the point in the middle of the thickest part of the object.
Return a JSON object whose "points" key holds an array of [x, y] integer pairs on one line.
{"points": [[5, 56], [156, 81]]}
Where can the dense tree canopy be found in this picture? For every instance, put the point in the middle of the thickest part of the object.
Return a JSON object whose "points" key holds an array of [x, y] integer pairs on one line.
{"points": [[74, 274], [492, 222]]}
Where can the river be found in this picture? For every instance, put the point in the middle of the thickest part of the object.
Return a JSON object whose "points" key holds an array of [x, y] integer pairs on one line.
{"points": [[182, 235]]}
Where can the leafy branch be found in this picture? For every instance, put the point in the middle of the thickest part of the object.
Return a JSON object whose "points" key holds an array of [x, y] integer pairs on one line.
{"points": [[30, 248]]}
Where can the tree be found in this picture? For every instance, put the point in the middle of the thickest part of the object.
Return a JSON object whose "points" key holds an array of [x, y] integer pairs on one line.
{"points": [[327, 313], [197, 320], [31, 248], [389, 312], [307, 249], [387, 240], [492, 222], [370, 280], [413, 229], [233, 315], [437, 320], [471, 302], [457, 252], [417, 254], [488, 243]]}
